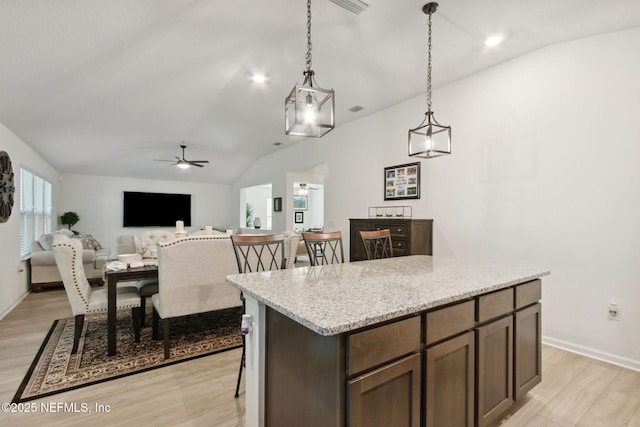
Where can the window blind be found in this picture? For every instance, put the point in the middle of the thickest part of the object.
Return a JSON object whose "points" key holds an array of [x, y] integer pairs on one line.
{"points": [[35, 209]]}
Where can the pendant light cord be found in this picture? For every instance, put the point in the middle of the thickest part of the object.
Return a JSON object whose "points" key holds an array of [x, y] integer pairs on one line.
{"points": [[428, 68], [308, 35]]}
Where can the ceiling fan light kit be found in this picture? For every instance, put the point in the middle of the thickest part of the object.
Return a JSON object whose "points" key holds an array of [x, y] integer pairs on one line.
{"points": [[309, 109], [430, 138], [183, 163]]}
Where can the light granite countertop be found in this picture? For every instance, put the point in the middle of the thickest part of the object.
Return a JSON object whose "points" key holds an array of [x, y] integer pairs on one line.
{"points": [[339, 298]]}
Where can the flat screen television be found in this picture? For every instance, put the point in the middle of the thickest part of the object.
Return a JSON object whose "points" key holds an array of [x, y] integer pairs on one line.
{"points": [[155, 209]]}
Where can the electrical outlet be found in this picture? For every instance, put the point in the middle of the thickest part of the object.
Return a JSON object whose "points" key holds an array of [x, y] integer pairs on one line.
{"points": [[614, 311]]}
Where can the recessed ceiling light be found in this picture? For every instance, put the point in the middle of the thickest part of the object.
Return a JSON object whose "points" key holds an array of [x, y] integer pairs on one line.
{"points": [[259, 78], [493, 41]]}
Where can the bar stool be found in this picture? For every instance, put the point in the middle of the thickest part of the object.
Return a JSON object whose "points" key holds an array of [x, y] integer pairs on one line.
{"points": [[377, 244], [324, 248]]}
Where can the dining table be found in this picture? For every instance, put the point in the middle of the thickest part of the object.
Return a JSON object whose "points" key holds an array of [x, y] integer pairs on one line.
{"points": [[148, 271]]}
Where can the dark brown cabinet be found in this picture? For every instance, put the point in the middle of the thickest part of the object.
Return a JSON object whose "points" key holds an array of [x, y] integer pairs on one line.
{"points": [[449, 379], [495, 369], [527, 339], [460, 365], [408, 236], [388, 396]]}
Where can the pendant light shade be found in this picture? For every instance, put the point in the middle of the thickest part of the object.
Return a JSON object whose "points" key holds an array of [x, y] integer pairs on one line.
{"points": [[309, 109], [430, 138]]}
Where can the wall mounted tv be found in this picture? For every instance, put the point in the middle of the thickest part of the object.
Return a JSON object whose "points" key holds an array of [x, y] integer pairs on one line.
{"points": [[155, 209]]}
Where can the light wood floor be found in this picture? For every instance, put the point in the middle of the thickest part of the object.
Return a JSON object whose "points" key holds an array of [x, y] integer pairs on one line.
{"points": [[575, 391]]}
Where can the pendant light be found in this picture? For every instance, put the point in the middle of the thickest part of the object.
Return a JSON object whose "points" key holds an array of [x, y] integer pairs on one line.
{"points": [[430, 139], [309, 109]]}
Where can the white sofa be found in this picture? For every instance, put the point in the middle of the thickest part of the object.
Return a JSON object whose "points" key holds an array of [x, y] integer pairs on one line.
{"points": [[44, 272], [127, 243]]}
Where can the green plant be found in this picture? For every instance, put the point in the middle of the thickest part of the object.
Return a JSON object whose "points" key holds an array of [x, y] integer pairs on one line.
{"points": [[70, 219], [249, 214]]}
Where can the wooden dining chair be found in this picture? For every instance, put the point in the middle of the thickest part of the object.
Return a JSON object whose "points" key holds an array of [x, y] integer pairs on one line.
{"points": [[377, 244], [256, 253], [324, 248]]}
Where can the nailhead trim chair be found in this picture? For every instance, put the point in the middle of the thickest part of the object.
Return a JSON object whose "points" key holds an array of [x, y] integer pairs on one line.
{"points": [[191, 280], [83, 299]]}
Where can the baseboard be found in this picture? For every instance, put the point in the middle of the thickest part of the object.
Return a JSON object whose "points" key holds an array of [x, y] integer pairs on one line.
{"points": [[14, 305], [592, 353]]}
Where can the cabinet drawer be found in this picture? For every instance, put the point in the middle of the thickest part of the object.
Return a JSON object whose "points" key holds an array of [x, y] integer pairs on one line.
{"points": [[395, 229], [528, 293], [449, 321], [495, 304], [379, 345], [399, 244]]}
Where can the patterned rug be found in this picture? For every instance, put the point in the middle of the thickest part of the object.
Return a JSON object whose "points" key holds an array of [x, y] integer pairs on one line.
{"points": [[55, 369]]}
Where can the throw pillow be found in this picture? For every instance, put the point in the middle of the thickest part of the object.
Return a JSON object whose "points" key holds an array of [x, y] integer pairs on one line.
{"points": [[92, 243], [46, 240], [65, 231]]}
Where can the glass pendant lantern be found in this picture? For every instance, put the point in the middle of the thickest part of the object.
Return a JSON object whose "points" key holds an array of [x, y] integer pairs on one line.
{"points": [[430, 138], [309, 109]]}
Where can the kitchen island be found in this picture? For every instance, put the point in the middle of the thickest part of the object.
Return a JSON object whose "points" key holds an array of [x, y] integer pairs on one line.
{"points": [[390, 342]]}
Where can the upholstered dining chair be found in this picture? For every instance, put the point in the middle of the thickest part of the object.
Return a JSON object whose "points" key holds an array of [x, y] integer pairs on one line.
{"points": [[256, 253], [377, 244], [324, 248], [146, 288], [191, 280], [84, 299]]}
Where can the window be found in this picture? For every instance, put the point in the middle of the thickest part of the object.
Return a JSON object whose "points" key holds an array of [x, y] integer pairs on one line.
{"points": [[35, 209]]}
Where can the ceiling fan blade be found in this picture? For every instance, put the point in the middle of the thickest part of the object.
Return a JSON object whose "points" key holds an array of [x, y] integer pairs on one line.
{"points": [[198, 161], [195, 164], [163, 160]]}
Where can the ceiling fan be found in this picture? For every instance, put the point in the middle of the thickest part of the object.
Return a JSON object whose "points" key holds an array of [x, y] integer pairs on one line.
{"points": [[183, 163]]}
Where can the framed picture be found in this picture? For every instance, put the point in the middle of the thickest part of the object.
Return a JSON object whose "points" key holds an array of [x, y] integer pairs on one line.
{"points": [[277, 204], [402, 182], [300, 203], [298, 217]]}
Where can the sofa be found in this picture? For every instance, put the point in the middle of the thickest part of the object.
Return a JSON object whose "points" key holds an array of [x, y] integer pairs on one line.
{"points": [[127, 243], [44, 271]]}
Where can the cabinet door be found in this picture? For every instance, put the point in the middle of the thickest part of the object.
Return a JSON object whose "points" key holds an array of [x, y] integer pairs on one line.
{"points": [[449, 380], [356, 247], [527, 348], [388, 396], [495, 369]]}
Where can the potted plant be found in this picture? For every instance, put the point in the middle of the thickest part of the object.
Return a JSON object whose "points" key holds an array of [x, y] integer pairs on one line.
{"points": [[70, 219], [249, 214]]}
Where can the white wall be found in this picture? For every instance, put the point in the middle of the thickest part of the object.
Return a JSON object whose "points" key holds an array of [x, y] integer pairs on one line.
{"points": [[14, 284], [544, 171], [98, 201]]}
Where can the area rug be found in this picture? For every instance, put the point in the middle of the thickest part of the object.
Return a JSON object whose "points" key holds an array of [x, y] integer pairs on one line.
{"points": [[55, 370]]}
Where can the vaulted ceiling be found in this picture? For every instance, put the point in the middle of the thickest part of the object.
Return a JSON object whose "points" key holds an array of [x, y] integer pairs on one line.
{"points": [[106, 87]]}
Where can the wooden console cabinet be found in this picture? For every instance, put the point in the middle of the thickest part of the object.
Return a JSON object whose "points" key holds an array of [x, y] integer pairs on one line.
{"points": [[408, 236]]}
